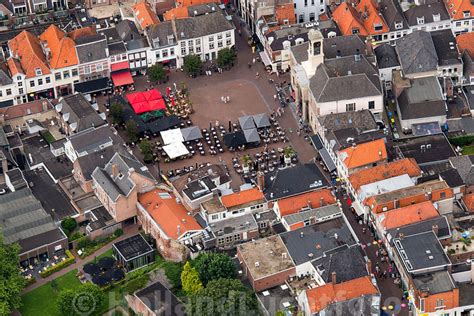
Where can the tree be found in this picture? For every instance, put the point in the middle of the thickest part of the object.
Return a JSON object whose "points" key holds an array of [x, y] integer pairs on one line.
{"points": [[192, 65], [64, 301], [157, 73], [190, 280], [85, 300], [12, 282], [213, 266], [223, 297], [116, 111], [132, 130], [68, 224], [226, 58], [147, 151]]}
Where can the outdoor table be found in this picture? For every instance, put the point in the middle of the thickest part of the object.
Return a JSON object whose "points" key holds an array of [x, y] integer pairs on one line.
{"points": [[202, 153], [221, 150]]}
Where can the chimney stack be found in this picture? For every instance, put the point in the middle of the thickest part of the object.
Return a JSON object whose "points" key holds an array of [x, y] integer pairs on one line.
{"points": [[114, 171], [333, 277], [260, 181], [369, 266], [173, 26], [435, 229], [321, 202]]}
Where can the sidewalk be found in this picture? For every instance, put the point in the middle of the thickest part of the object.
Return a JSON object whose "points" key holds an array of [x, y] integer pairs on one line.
{"points": [[128, 231]]}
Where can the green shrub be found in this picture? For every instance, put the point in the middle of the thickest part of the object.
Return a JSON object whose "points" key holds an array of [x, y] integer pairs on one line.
{"points": [[70, 260], [118, 232], [462, 140], [48, 137], [75, 236], [28, 282]]}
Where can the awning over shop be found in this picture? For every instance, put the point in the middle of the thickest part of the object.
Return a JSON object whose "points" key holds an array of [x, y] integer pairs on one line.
{"points": [[191, 133], [317, 142], [120, 66], [172, 136], [265, 59], [175, 150], [92, 85], [122, 78], [4, 104], [327, 160]]}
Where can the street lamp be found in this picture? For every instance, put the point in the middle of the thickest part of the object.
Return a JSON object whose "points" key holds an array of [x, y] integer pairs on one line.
{"points": [[110, 85]]}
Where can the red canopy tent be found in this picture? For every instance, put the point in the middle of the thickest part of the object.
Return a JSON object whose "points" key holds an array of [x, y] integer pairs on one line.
{"points": [[146, 101]]}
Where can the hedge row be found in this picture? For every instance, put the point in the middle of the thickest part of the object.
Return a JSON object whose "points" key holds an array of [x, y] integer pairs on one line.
{"points": [[462, 140], [70, 260]]}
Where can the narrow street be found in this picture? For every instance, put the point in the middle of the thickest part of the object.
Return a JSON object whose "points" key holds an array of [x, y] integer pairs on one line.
{"points": [[391, 292]]}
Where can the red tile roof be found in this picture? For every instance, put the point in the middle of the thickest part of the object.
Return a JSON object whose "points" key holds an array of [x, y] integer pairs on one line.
{"points": [[81, 32], [168, 213], [285, 12], [242, 197], [466, 43], [27, 49], [407, 215], [177, 13], [456, 8], [348, 20], [20, 110], [364, 154], [363, 18], [322, 296], [295, 203], [469, 201], [144, 15], [187, 3], [385, 171], [62, 47]]}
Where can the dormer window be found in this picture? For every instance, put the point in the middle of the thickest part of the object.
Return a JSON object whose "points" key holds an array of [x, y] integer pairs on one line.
{"points": [[398, 25], [420, 20], [355, 30], [38, 71], [170, 39], [436, 17], [378, 27], [466, 14]]}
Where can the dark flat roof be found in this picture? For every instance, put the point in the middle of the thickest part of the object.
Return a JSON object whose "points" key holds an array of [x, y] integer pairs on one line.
{"points": [[92, 85], [293, 180], [421, 251], [435, 282], [52, 198], [439, 149], [161, 300], [132, 247], [444, 230], [348, 263]]}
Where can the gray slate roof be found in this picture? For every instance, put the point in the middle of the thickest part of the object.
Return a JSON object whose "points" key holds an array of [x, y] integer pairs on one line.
{"points": [[422, 99], [127, 30], [311, 242], [120, 183], [361, 120], [435, 282], [348, 263], [392, 13], [92, 139], [417, 53], [427, 11], [344, 78], [91, 48], [192, 27], [464, 165], [79, 111], [386, 56], [317, 213], [344, 46]]}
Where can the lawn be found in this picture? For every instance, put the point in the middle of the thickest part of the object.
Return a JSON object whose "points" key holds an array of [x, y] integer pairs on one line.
{"points": [[41, 301], [468, 150]]}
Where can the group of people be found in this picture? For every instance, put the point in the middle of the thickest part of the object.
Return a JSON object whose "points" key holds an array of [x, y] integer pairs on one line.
{"points": [[225, 99]]}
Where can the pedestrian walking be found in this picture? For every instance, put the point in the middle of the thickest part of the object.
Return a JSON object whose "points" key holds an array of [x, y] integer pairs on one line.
{"points": [[377, 253], [222, 99], [227, 99], [275, 97], [253, 61], [257, 75]]}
